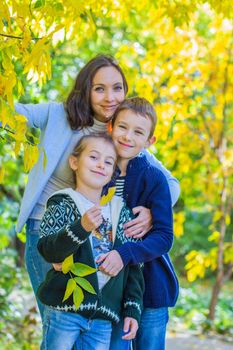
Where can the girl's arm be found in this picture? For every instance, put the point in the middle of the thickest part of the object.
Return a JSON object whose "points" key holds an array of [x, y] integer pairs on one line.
{"points": [[60, 236], [173, 183]]}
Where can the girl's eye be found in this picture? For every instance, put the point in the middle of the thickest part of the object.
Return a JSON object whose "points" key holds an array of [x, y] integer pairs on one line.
{"points": [[108, 162], [93, 157]]}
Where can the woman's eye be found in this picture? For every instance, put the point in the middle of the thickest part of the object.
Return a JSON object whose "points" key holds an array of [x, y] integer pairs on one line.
{"points": [[118, 88], [99, 89]]}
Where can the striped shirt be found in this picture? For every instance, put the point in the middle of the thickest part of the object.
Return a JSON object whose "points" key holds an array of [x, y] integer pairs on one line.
{"points": [[120, 183]]}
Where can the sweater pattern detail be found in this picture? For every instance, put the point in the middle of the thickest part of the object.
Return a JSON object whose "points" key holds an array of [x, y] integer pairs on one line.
{"points": [[134, 304]]}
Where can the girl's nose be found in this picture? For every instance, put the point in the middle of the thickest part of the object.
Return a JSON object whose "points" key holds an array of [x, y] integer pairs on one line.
{"points": [[101, 164]]}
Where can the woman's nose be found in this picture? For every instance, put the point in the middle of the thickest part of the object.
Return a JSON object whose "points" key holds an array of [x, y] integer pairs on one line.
{"points": [[109, 96]]}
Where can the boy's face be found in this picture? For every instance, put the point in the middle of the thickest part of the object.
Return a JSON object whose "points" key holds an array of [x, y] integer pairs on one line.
{"points": [[131, 133]]}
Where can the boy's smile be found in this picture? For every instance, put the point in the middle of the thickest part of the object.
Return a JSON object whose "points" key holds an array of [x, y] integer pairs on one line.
{"points": [[131, 133]]}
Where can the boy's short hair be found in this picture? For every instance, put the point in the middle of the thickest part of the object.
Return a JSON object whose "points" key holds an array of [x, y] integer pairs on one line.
{"points": [[140, 106]]}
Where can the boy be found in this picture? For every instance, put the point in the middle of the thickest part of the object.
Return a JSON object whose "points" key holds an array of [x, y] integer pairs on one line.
{"points": [[141, 184]]}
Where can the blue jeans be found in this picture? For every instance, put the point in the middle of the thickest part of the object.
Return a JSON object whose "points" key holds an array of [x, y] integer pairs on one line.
{"points": [[117, 343], [64, 329], [152, 331], [37, 267]]}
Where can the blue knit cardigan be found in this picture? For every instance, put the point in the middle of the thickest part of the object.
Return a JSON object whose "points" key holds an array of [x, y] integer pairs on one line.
{"points": [[147, 186]]}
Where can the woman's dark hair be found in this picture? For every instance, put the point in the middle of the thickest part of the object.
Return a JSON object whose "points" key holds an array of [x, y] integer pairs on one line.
{"points": [[78, 104]]}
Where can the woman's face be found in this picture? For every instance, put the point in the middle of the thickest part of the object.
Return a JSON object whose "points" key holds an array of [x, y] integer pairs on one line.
{"points": [[107, 92]]}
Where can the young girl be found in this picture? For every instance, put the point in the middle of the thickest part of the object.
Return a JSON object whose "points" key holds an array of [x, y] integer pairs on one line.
{"points": [[75, 223]]}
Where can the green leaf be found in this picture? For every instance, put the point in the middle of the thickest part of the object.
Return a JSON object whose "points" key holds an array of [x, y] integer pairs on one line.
{"points": [[82, 270], [78, 296], [85, 284], [70, 287], [67, 264]]}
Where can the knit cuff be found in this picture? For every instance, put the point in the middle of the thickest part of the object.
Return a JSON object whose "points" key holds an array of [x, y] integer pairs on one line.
{"points": [[125, 253], [132, 309], [76, 232]]}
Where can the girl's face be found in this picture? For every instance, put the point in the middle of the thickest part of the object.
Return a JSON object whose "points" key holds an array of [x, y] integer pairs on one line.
{"points": [[95, 165], [107, 92]]}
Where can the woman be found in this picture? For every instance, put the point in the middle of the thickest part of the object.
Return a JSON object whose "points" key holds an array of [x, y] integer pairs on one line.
{"points": [[99, 88]]}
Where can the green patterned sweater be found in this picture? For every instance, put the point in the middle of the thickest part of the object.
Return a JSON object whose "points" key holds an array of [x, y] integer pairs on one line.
{"points": [[61, 234]]}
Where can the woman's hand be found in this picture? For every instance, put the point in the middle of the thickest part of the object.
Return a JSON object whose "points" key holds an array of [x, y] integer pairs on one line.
{"points": [[138, 227], [131, 327]]}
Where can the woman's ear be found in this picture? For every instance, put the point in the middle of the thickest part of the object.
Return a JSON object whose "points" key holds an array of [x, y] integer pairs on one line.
{"points": [[73, 161]]}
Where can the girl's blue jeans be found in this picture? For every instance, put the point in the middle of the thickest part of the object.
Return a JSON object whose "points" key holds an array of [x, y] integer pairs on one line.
{"points": [[37, 267], [150, 335], [63, 330]]}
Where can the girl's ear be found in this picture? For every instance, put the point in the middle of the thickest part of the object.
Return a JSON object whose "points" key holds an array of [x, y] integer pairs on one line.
{"points": [[150, 141], [73, 161]]}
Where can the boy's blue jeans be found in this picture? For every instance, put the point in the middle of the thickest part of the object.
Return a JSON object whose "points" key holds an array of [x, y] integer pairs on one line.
{"points": [[37, 267], [64, 329], [150, 335]]}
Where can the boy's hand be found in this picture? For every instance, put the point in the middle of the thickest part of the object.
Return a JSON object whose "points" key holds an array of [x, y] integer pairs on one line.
{"points": [[110, 263], [92, 218], [131, 327], [138, 227]]}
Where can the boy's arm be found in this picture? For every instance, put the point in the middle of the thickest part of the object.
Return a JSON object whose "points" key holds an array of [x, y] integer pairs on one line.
{"points": [[59, 237], [173, 183], [36, 114], [159, 240]]}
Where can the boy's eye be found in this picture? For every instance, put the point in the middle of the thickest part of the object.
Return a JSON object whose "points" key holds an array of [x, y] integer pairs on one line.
{"points": [[121, 126]]}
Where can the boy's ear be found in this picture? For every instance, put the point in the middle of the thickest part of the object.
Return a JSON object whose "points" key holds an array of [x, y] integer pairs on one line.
{"points": [[73, 161], [150, 141]]}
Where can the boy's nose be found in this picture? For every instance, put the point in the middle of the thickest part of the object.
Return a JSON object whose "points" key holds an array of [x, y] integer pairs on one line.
{"points": [[128, 136]]}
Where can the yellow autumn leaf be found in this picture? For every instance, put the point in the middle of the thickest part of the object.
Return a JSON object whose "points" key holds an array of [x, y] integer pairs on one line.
{"points": [[107, 198], [78, 296], [67, 263], [2, 173], [70, 287]]}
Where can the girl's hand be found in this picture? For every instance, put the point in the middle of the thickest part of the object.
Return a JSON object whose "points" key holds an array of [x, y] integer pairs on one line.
{"points": [[139, 226], [92, 218], [131, 327], [57, 266], [110, 263]]}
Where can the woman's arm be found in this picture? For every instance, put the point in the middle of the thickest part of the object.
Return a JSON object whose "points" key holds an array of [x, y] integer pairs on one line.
{"points": [[173, 183], [36, 114]]}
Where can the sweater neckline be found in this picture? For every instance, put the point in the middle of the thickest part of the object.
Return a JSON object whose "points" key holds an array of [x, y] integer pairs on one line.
{"points": [[97, 127]]}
